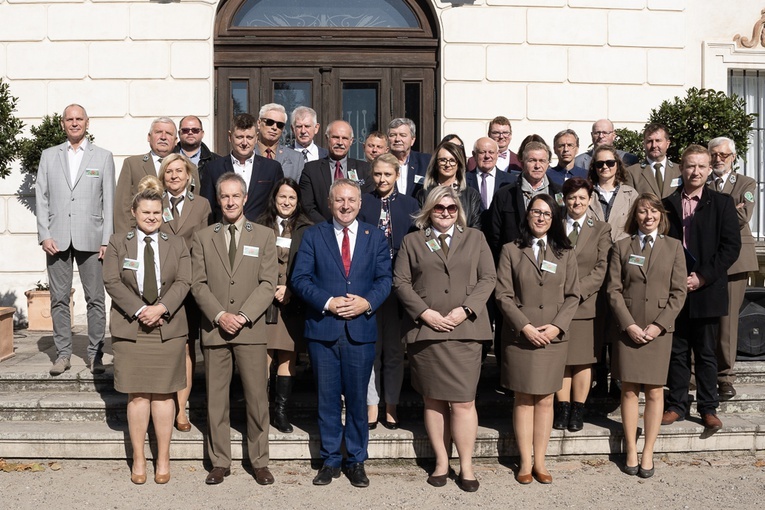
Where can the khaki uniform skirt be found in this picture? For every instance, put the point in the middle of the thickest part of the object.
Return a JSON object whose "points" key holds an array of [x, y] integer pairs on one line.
{"points": [[149, 365], [581, 342], [534, 370], [445, 369], [642, 363]]}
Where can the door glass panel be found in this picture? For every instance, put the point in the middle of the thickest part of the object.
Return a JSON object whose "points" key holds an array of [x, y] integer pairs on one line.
{"points": [[360, 110], [291, 94], [325, 13], [239, 100], [413, 107]]}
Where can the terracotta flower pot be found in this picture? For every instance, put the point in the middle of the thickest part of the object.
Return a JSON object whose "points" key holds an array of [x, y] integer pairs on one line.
{"points": [[38, 309]]}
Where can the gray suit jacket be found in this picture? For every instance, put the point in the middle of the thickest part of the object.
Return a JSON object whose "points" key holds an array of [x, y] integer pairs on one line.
{"points": [[291, 161], [79, 213]]}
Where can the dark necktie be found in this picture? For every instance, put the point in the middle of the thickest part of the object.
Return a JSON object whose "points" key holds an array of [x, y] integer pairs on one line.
{"points": [[283, 223], [484, 190], [719, 183], [444, 245], [269, 154], [150, 292], [574, 235], [338, 171], [647, 249], [305, 155], [345, 252], [385, 224], [540, 253], [659, 178], [174, 201], [232, 245]]}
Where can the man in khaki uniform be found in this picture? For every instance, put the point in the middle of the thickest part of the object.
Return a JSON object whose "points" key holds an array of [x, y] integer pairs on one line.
{"points": [[742, 189], [234, 270], [656, 173]]}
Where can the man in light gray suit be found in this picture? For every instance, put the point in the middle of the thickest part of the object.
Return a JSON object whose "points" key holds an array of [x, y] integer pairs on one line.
{"points": [[272, 118], [75, 200]]}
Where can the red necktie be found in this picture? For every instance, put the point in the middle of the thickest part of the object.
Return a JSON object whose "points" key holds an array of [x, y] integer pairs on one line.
{"points": [[269, 154], [345, 253], [338, 171]]}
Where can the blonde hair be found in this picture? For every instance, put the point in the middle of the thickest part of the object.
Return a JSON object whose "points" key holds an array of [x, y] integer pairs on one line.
{"points": [[422, 219], [171, 159], [149, 188]]}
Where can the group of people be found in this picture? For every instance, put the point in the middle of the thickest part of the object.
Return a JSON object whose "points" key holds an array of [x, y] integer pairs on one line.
{"points": [[273, 249]]}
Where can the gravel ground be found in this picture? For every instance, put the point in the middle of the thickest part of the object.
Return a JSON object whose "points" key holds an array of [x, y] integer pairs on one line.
{"points": [[681, 481]]}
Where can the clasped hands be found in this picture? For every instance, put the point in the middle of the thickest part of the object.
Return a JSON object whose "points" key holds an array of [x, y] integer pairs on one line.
{"points": [[542, 335], [643, 336], [348, 306], [231, 323], [151, 316], [441, 323]]}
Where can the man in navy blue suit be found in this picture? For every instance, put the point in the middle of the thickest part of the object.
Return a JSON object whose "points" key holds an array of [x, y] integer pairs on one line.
{"points": [[412, 164], [343, 274], [259, 173]]}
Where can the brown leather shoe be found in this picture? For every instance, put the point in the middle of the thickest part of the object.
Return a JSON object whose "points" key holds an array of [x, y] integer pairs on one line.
{"points": [[183, 427], [726, 391], [161, 478], [542, 477], [670, 417], [263, 476], [524, 479], [216, 475], [711, 422]]}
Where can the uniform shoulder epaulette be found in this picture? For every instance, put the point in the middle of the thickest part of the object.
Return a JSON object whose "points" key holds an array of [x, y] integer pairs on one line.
{"points": [[190, 195], [248, 226], [164, 236], [130, 235], [428, 232], [217, 227], [460, 228]]}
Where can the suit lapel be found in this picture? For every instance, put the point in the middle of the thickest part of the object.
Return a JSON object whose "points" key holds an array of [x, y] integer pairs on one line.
{"points": [[649, 175], [362, 241], [637, 249], [328, 233], [64, 163], [430, 234], [585, 232], [131, 247], [148, 166], [326, 175], [188, 208], [657, 252], [87, 155], [529, 253], [163, 247], [245, 239], [219, 241]]}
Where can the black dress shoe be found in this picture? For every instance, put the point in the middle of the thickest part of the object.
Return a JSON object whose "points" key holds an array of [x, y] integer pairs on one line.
{"points": [[263, 476], [216, 475], [357, 475], [325, 475], [576, 419], [467, 485], [630, 470], [645, 473], [726, 390], [390, 425], [372, 425], [561, 416]]}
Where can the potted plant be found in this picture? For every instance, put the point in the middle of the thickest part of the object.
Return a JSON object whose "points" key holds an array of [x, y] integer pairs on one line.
{"points": [[38, 307]]}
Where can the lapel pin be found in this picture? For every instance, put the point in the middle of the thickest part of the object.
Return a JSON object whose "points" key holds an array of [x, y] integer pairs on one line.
{"points": [[146, 158]]}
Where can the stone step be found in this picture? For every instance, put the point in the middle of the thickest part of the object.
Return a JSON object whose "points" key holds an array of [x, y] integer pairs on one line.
{"points": [[601, 436]]}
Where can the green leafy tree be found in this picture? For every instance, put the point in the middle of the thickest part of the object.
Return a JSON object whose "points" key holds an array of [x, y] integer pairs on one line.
{"points": [[47, 134], [630, 141], [10, 129], [702, 115]]}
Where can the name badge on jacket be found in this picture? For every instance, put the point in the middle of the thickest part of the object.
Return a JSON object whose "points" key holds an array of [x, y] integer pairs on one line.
{"points": [[283, 242], [550, 267], [92, 172], [251, 251], [131, 264], [636, 260]]}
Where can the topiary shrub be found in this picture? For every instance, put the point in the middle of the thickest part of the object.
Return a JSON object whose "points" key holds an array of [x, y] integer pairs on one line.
{"points": [[702, 115], [10, 129], [47, 134], [630, 141]]}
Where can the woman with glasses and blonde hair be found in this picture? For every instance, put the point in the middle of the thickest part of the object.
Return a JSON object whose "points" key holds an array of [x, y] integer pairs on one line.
{"points": [[443, 277], [538, 294], [612, 199], [447, 168]]}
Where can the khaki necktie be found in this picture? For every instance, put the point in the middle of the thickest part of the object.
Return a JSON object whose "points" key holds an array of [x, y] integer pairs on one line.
{"points": [[659, 178], [574, 235], [232, 245], [647, 248], [540, 253], [150, 292], [444, 245], [174, 201]]}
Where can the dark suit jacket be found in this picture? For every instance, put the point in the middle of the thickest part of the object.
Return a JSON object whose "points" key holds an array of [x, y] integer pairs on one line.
{"points": [[316, 180], [418, 165], [501, 179], [205, 156], [506, 213], [402, 208], [558, 175], [715, 242], [265, 173], [318, 275]]}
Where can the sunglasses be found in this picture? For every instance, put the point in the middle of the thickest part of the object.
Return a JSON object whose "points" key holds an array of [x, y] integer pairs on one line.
{"points": [[271, 122], [439, 209], [186, 131], [607, 162]]}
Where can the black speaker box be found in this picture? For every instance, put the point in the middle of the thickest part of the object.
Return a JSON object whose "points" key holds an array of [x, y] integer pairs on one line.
{"points": [[751, 326]]}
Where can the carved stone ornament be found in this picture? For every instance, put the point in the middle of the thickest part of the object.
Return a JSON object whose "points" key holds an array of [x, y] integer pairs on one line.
{"points": [[757, 34]]}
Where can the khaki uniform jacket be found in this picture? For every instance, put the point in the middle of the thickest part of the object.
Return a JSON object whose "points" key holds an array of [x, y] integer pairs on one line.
{"points": [[743, 190], [122, 285], [194, 215], [133, 170], [623, 201], [528, 295], [426, 279], [652, 293], [643, 178], [247, 288], [591, 250]]}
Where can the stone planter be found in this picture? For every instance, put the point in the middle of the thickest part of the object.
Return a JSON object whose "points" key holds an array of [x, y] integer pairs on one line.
{"points": [[38, 309]]}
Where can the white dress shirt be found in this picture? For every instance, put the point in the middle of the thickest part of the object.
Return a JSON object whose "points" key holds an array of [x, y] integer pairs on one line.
{"points": [[74, 157], [245, 170], [311, 155]]}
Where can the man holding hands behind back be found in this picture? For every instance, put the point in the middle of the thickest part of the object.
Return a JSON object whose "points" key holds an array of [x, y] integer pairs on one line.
{"points": [[343, 274]]}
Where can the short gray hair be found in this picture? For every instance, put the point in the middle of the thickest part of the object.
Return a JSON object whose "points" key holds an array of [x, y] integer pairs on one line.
{"points": [[230, 176], [63, 115], [714, 142], [343, 182], [564, 133], [163, 120], [303, 111], [401, 121], [272, 107]]}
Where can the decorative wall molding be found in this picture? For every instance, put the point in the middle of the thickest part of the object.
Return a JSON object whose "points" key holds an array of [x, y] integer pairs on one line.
{"points": [[757, 34]]}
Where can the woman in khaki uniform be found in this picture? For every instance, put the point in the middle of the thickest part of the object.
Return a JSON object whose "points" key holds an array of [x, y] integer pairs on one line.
{"points": [[592, 241], [148, 325], [183, 213], [646, 290], [443, 277], [284, 317], [537, 293]]}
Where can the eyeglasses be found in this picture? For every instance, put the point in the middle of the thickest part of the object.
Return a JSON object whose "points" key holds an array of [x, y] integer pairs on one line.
{"points": [[271, 122], [439, 209], [721, 155], [447, 161], [601, 133], [186, 131], [501, 134], [538, 213], [606, 162]]}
